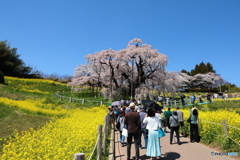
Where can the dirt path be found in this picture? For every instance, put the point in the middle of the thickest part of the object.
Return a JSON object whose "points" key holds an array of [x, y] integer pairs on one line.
{"points": [[185, 151]]}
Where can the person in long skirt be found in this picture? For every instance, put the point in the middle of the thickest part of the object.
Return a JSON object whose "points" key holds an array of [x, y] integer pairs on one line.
{"points": [[153, 123]]}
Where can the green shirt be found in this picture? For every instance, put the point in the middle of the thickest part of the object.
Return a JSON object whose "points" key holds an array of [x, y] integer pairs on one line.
{"points": [[168, 114]]}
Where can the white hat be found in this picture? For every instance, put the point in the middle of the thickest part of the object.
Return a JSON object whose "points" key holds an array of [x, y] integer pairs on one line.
{"points": [[132, 105]]}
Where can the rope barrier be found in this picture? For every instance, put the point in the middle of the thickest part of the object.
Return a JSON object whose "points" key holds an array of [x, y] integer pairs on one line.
{"points": [[103, 129], [234, 141], [233, 127], [211, 122], [223, 135], [93, 149], [220, 124]]}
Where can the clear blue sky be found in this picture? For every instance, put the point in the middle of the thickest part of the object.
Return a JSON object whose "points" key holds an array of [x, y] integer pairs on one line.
{"points": [[55, 35]]}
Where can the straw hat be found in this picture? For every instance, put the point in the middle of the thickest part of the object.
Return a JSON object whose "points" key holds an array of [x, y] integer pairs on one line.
{"points": [[132, 105]]}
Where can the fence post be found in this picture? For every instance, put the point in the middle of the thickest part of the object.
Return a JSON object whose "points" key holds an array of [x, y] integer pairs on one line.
{"points": [[60, 97], [105, 135], [175, 103], [99, 145], [79, 156], [83, 101], [225, 127], [70, 99], [100, 102]]}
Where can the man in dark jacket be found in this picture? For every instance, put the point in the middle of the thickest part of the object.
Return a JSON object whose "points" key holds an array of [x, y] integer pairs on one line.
{"points": [[132, 121]]}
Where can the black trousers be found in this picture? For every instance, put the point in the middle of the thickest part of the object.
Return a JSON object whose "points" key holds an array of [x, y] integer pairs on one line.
{"points": [[129, 143], [176, 130], [194, 135]]}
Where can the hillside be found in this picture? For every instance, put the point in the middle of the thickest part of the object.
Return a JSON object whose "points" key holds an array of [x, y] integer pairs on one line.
{"points": [[35, 124], [15, 90]]}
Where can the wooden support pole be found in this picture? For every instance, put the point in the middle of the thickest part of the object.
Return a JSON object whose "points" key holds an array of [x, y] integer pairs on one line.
{"points": [[104, 135], [79, 156], [99, 145], [225, 127]]}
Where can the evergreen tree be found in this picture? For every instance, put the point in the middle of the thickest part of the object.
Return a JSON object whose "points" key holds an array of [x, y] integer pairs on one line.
{"points": [[209, 68], [184, 71], [1, 78], [11, 64], [201, 68]]}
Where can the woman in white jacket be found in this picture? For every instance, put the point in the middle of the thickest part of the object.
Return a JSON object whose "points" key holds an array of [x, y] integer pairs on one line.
{"points": [[153, 123]]}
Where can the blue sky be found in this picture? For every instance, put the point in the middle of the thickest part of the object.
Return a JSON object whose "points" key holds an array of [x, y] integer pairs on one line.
{"points": [[54, 36]]}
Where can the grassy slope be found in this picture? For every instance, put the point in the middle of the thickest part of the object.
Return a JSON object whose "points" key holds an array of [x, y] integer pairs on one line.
{"points": [[12, 119]]}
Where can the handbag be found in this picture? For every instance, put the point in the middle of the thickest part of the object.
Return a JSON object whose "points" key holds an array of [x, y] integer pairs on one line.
{"points": [[189, 119], [161, 133], [118, 125], [125, 132]]}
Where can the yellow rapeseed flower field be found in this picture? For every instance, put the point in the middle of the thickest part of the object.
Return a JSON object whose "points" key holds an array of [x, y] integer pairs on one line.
{"points": [[211, 125], [59, 139], [28, 80], [35, 106]]}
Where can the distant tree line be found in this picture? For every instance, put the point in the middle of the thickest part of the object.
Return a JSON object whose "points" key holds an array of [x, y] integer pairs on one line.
{"points": [[12, 65], [201, 68], [202, 71]]}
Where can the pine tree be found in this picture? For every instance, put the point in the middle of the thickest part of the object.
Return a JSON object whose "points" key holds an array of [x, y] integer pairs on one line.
{"points": [[1, 78], [200, 68]]}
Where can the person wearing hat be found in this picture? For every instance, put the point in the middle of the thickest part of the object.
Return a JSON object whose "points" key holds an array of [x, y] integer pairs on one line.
{"points": [[112, 119], [132, 121]]}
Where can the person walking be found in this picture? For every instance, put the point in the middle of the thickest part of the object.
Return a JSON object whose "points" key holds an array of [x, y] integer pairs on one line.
{"points": [[120, 120], [160, 99], [132, 122], [180, 121], [192, 98], [209, 98], [153, 124], [143, 130], [194, 134], [173, 120], [182, 97], [200, 98], [111, 114], [168, 113], [162, 118]]}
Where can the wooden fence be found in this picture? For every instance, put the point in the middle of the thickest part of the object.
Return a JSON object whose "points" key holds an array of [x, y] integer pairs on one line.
{"points": [[101, 142], [70, 99]]}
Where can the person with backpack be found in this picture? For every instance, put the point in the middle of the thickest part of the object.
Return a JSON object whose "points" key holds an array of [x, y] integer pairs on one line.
{"points": [[173, 121]]}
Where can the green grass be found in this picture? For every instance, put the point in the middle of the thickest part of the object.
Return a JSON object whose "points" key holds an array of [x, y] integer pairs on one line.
{"points": [[12, 120]]}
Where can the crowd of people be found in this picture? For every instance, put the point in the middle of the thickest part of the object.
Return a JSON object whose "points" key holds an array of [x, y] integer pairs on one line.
{"points": [[141, 121]]}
